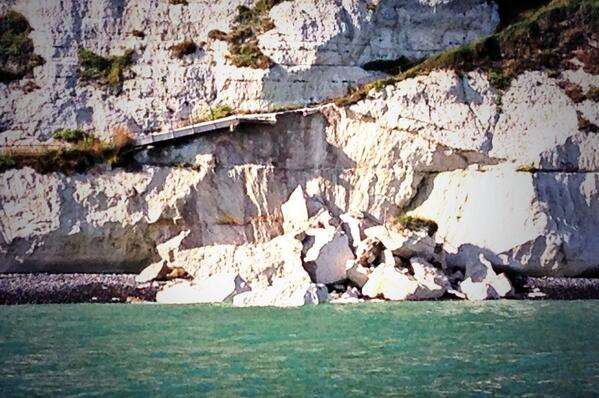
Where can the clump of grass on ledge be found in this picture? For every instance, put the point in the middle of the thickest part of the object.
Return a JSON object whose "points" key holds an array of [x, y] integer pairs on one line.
{"points": [[186, 47], [243, 37], [17, 57], [527, 168], [213, 113], [78, 157], [105, 71], [414, 223], [6, 162], [71, 136], [546, 39], [178, 2]]}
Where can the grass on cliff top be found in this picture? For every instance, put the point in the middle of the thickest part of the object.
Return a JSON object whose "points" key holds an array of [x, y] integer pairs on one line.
{"points": [[542, 39], [243, 36], [83, 153], [17, 57], [104, 71]]}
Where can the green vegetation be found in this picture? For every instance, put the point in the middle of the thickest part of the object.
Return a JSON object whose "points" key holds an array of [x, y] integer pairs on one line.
{"points": [[72, 136], [527, 168], [414, 223], [243, 37], [498, 80], [6, 162], [17, 58], [219, 112], [104, 71], [184, 48], [77, 157], [545, 38]]}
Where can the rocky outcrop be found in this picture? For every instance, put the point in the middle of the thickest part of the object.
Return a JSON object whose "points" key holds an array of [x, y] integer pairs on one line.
{"points": [[319, 50]]}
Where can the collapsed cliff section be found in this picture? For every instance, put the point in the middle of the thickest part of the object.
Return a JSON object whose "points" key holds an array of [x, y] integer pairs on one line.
{"points": [[510, 173], [152, 65]]}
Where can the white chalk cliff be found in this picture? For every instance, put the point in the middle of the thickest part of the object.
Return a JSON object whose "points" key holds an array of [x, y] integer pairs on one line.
{"points": [[516, 180]]}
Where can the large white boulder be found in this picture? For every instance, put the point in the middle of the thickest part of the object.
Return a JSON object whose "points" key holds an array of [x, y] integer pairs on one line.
{"points": [[155, 271], [541, 223], [215, 289], [389, 283], [284, 292], [327, 255], [432, 282], [295, 210], [167, 249], [482, 282]]}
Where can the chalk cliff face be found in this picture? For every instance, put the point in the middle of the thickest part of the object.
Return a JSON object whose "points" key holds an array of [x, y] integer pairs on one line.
{"points": [[439, 146], [512, 174], [317, 47]]}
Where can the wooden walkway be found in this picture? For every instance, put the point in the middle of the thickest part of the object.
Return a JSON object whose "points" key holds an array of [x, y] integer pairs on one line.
{"points": [[230, 122]]}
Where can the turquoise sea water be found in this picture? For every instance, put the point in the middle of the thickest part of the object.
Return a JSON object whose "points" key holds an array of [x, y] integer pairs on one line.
{"points": [[383, 349]]}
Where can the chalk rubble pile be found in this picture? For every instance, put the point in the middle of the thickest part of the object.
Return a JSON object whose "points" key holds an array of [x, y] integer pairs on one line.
{"points": [[320, 257]]}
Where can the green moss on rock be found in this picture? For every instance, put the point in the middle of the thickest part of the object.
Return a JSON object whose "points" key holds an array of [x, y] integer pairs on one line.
{"points": [[104, 71], [249, 23], [17, 57]]}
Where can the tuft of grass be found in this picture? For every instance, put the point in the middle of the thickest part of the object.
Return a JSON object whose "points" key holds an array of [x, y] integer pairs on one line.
{"points": [[178, 2], [220, 112], [544, 38], [71, 136], [414, 223], [243, 37], [105, 71], [186, 47], [527, 168], [498, 79], [17, 57], [7, 162]]}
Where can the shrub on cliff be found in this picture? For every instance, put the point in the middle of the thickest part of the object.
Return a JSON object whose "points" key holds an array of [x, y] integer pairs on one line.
{"points": [[17, 58], [105, 71], [186, 47], [69, 135], [243, 37]]}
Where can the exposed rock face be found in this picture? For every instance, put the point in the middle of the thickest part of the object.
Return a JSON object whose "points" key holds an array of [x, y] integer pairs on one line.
{"points": [[435, 146], [318, 47]]}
